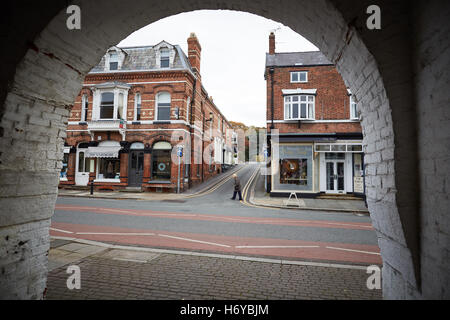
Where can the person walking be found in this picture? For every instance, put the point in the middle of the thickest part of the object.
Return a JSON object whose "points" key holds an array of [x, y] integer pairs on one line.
{"points": [[237, 187]]}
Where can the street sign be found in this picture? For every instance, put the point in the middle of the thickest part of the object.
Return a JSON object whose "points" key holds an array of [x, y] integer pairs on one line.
{"points": [[180, 151]]}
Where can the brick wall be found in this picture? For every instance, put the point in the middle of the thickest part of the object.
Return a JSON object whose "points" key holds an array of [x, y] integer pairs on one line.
{"points": [[402, 120]]}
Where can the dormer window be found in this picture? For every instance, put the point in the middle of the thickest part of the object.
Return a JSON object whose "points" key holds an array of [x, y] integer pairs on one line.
{"points": [[113, 61], [164, 58]]}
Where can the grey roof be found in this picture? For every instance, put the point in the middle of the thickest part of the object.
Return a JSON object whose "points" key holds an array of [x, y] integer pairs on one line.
{"points": [[144, 58], [284, 59]]}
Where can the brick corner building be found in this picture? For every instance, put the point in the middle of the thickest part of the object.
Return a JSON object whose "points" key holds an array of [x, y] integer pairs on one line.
{"points": [[137, 107], [314, 132]]}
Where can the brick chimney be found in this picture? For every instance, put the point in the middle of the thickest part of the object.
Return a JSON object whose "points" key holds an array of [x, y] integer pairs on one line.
{"points": [[194, 52], [272, 43]]}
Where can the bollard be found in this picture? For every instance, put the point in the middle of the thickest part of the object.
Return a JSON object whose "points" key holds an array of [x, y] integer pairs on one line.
{"points": [[92, 187]]}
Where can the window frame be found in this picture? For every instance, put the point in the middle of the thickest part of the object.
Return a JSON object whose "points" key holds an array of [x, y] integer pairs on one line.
{"points": [[298, 76], [288, 107], [137, 106], [353, 109], [84, 107], [115, 60], [158, 106], [101, 105], [164, 58]]}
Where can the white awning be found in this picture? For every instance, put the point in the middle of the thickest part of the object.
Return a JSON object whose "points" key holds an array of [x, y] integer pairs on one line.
{"points": [[103, 152], [299, 91]]}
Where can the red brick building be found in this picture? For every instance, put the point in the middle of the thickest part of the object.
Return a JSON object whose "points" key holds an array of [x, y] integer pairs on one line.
{"points": [[314, 132], [137, 107]]}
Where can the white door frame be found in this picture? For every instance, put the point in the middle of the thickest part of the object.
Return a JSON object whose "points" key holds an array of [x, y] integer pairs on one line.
{"points": [[81, 178]]}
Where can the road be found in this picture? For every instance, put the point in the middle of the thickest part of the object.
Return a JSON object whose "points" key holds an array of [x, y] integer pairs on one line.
{"points": [[214, 223]]}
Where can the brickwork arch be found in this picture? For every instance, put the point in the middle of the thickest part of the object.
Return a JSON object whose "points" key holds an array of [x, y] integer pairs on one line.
{"points": [[49, 77]]}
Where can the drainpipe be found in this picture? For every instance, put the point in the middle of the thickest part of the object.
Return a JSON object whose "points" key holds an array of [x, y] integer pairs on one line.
{"points": [[191, 129], [271, 71]]}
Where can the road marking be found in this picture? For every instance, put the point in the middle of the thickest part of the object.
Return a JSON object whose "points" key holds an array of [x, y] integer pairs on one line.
{"points": [[192, 240], [117, 233], [202, 254], [352, 250], [270, 247], [60, 230], [131, 260]]}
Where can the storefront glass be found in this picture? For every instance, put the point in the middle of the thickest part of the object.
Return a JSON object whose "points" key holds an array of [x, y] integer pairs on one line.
{"points": [[63, 174], [108, 168], [295, 168], [161, 164]]}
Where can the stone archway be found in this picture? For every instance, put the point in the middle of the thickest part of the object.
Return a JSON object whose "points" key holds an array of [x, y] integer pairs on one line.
{"points": [[49, 76]]}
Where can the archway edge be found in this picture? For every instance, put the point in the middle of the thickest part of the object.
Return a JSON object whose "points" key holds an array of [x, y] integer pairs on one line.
{"points": [[50, 76]]}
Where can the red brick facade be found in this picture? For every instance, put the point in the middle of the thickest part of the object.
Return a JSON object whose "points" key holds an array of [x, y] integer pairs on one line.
{"points": [[189, 124]]}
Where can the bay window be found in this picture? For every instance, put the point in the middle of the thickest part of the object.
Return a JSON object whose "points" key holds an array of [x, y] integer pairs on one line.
{"points": [[298, 107], [107, 105]]}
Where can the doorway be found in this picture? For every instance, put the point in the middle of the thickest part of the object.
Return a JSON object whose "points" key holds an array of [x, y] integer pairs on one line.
{"points": [[335, 172]]}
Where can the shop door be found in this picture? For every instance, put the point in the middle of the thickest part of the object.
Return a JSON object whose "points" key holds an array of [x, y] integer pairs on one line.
{"points": [[335, 176], [82, 168], [136, 168]]}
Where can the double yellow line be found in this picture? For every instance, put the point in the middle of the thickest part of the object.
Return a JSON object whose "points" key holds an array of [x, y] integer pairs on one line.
{"points": [[247, 187], [209, 190]]}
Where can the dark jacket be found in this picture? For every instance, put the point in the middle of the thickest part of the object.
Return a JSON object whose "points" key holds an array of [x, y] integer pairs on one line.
{"points": [[237, 184]]}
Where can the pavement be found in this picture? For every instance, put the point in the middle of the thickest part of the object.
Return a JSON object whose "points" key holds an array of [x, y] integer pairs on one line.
{"points": [[257, 196], [109, 271]]}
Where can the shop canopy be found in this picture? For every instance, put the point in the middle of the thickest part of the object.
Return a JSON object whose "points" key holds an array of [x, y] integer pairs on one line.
{"points": [[103, 152]]}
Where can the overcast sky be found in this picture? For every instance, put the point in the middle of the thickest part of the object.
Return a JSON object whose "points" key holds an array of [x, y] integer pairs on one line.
{"points": [[234, 45]]}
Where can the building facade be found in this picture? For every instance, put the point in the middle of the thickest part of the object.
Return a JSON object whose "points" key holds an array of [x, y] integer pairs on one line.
{"points": [[314, 134], [144, 120]]}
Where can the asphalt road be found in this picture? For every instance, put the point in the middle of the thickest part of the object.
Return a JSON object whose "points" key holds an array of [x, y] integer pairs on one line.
{"points": [[214, 223]]}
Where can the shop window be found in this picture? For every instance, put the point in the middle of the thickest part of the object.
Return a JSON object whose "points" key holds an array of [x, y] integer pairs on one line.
{"points": [[65, 161], [294, 171], [295, 168], [161, 161], [109, 168]]}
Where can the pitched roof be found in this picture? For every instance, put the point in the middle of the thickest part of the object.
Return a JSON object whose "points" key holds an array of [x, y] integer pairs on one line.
{"points": [[284, 59], [144, 58]]}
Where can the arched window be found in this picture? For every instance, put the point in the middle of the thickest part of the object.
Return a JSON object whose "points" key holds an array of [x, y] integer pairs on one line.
{"points": [[161, 160], [163, 106]]}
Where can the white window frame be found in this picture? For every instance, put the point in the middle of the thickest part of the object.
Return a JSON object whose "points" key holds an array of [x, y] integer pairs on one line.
{"points": [[116, 60], [164, 49], [84, 108], [353, 110], [137, 101], [97, 101], [310, 106], [157, 106], [299, 77]]}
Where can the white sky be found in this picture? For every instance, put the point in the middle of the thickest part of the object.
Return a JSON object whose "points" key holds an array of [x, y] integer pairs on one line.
{"points": [[234, 45]]}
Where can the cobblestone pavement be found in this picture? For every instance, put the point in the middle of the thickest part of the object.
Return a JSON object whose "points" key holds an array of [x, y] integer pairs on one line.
{"points": [[122, 274]]}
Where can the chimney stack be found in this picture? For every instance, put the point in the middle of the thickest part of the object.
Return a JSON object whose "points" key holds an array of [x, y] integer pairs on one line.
{"points": [[272, 43], [194, 51]]}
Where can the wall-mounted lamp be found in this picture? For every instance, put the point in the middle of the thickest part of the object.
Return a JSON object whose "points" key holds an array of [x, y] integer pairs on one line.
{"points": [[210, 117]]}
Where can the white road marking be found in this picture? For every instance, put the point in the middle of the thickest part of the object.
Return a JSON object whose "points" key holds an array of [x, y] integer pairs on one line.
{"points": [[132, 260], [352, 250], [270, 247], [118, 233], [192, 240], [60, 230]]}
